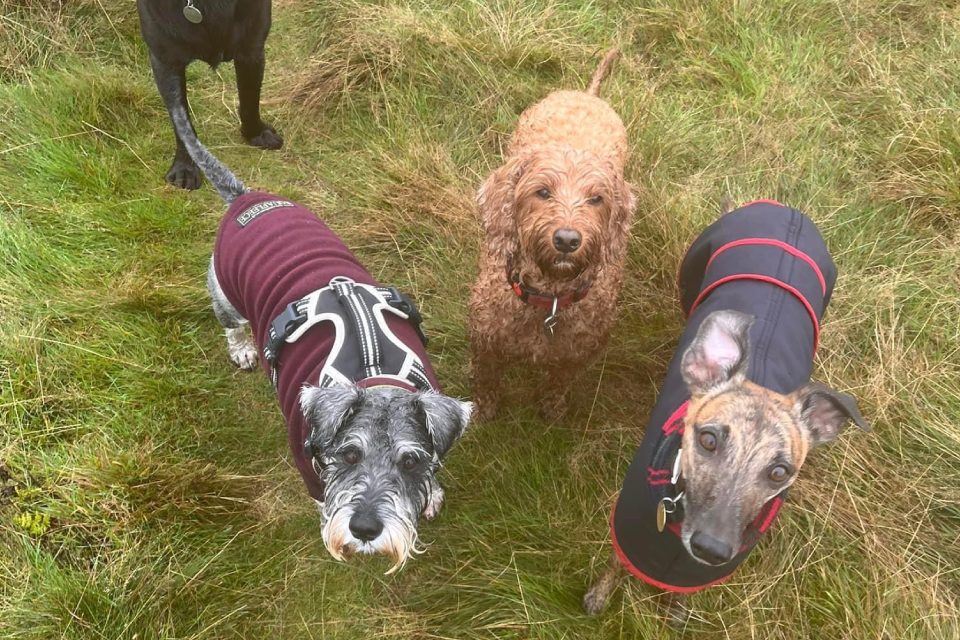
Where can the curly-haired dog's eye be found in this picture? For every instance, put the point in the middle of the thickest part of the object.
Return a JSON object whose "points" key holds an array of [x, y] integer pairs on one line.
{"points": [[409, 462], [594, 200], [352, 455], [707, 440], [543, 194]]}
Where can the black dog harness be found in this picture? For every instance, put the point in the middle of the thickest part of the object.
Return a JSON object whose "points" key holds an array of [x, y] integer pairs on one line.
{"points": [[364, 348], [763, 259]]}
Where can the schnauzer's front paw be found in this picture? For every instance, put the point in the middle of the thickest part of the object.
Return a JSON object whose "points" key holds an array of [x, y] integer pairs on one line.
{"points": [[266, 137], [434, 503], [183, 174], [242, 350]]}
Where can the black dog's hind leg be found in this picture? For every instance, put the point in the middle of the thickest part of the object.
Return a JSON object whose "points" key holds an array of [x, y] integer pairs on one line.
{"points": [[172, 84], [249, 69]]}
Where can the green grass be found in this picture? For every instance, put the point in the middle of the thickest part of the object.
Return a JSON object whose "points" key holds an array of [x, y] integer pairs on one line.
{"points": [[145, 486]]}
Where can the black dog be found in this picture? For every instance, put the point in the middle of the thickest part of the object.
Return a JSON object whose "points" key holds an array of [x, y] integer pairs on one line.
{"points": [[178, 32]]}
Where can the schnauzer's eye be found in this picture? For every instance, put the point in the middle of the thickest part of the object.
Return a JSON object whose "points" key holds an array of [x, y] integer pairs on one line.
{"points": [[543, 194], [779, 473], [707, 439], [595, 200], [409, 462], [352, 455]]}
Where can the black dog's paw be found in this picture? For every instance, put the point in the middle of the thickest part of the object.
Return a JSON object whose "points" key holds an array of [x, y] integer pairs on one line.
{"points": [[184, 174], [266, 138]]}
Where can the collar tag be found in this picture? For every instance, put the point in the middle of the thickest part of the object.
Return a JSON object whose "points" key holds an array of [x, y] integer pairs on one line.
{"points": [[191, 13], [676, 467], [551, 321]]}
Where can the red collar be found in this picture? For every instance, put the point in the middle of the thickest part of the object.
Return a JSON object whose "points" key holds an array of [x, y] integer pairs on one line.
{"points": [[536, 298]]}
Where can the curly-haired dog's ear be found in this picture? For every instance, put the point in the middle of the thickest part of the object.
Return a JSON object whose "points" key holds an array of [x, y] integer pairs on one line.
{"points": [[496, 199], [621, 217]]}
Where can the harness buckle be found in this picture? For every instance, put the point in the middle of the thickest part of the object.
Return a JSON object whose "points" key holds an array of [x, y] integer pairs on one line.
{"points": [[405, 304], [286, 322], [551, 320]]}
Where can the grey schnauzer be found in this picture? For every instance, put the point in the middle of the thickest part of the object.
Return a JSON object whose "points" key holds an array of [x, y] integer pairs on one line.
{"points": [[367, 424]]}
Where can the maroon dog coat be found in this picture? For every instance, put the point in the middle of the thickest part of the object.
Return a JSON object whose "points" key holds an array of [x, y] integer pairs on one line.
{"points": [[763, 259], [270, 255]]}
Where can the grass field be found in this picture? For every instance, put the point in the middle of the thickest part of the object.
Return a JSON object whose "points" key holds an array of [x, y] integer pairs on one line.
{"points": [[145, 486]]}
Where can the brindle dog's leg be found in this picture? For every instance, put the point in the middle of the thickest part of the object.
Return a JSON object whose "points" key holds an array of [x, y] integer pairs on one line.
{"points": [[597, 598], [675, 607]]}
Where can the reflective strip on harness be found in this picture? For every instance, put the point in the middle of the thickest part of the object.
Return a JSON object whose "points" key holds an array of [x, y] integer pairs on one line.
{"points": [[364, 346]]}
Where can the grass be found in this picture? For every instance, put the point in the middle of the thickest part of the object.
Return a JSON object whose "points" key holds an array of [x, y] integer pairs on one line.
{"points": [[145, 487]]}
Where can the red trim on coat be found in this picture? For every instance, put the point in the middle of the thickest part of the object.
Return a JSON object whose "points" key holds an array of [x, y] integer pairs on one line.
{"points": [[774, 243], [762, 201], [680, 412], [770, 280], [652, 581]]}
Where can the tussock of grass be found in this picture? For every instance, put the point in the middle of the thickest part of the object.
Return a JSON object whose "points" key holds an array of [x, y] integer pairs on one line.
{"points": [[145, 489]]}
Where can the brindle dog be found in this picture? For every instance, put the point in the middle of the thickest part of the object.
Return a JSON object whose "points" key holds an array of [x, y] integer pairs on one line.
{"points": [[743, 444]]}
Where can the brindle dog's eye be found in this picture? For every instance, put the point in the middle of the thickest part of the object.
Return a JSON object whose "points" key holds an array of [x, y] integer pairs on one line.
{"points": [[595, 200], [409, 462], [779, 473], [352, 455], [707, 440], [543, 194]]}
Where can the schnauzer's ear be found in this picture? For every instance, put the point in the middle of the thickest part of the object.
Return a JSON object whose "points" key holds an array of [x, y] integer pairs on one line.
{"points": [[327, 409], [497, 202], [719, 353], [446, 419], [824, 412]]}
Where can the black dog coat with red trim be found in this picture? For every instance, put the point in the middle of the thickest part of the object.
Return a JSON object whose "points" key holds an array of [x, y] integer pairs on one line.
{"points": [[271, 252], [763, 259]]}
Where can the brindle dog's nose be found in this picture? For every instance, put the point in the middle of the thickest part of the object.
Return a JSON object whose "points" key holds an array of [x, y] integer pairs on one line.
{"points": [[707, 548], [365, 526], [567, 240]]}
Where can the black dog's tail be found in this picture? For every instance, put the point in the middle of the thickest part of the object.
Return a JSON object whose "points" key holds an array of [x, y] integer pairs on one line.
{"points": [[227, 185]]}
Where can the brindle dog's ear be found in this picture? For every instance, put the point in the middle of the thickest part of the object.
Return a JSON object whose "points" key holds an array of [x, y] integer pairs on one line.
{"points": [[719, 353], [824, 412], [446, 419], [326, 410]]}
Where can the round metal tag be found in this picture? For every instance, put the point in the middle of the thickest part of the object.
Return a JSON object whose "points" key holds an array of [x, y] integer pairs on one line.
{"points": [[661, 516], [192, 14]]}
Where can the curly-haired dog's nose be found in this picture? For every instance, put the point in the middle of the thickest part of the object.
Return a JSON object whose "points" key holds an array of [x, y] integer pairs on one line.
{"points": [[566, 240], [707, 548], [365, 526]]}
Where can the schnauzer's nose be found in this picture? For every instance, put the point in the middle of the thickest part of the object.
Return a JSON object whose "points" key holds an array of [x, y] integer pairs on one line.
{"points": [[709, 549], [566, 240], [365, 526]]}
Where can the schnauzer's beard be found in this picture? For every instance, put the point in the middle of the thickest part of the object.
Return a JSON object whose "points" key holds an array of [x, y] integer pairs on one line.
{"points": [[398, 539]]}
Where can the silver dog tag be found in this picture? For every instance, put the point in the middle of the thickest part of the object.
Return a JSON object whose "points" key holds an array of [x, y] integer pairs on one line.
{"points": [[192, 14]]}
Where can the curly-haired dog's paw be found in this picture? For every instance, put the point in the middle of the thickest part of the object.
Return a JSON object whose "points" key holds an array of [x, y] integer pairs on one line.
{"points": [[242, 350]]}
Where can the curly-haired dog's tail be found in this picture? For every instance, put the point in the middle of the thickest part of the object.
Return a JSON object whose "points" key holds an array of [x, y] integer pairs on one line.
{"points": [[602, 71], [227, 185]]}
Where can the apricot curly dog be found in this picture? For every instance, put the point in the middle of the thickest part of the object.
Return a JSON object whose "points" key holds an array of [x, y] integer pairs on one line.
{"points": [[557, 215]]}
